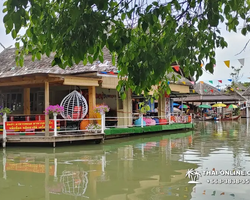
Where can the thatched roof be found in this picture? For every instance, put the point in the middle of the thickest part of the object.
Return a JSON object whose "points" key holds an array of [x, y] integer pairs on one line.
{"points": [[205, 89], [181, 81], [8, 66], [246, 93]]}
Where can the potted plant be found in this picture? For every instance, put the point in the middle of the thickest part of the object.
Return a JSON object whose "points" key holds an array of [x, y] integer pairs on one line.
{"points": [[54, 110], [93, 127], [102, 109], [4, 110]]}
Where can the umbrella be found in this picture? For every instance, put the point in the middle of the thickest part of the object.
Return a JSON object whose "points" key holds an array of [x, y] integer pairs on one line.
{"points": [[183, 106], [219, 105], [204, 106], [176, 104], [232, 106], [176, 110]]}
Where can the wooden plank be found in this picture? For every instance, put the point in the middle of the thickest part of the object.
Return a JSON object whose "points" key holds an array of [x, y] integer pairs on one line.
{"points": [[29, 82], [109, 82], [179, 88], [50, 139], [46, 95], [80, 81], [92, 100], [26, 101]]}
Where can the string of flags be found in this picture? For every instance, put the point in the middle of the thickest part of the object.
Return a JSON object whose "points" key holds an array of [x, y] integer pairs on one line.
{"points": [[241, 61], [219, 81]]}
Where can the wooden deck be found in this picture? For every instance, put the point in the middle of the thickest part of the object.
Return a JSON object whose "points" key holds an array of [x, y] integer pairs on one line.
{"points": [[34, 139]]}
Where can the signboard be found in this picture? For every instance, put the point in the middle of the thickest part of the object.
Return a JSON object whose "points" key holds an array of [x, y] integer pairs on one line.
{"points": [[23, 125], [27, 167]]}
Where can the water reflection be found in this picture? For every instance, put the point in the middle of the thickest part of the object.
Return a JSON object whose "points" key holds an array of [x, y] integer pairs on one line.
{"points": [[150, 167], [129, 169]]}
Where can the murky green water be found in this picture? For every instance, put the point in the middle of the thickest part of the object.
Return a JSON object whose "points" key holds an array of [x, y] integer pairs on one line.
{"points": [[147, 167]]}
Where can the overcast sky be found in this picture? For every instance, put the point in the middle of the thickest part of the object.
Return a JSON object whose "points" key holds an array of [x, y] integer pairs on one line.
{"points": [[236, 42]]}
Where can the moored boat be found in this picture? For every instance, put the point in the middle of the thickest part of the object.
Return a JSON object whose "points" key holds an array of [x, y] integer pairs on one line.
{"points": [[228, 118], [207, 118]]}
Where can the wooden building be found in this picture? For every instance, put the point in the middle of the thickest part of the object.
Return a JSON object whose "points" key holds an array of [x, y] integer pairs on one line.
{"points": [[28, 90]]}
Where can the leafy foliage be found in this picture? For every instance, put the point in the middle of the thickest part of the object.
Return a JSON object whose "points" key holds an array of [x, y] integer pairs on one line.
{"points": [[4, 110], [144, 39]]}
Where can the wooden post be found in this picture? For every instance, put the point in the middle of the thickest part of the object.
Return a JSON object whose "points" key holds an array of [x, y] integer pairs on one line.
{"points": [[26, 101], [46, 95], [103, 123], [55, 124], [4, 130], [141, 117], [92, 101]]}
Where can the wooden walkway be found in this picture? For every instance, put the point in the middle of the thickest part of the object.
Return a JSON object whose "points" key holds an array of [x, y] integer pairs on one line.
{"points": [[36, 139]]}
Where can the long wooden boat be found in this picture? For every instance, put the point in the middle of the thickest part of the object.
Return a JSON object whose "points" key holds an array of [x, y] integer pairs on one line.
{"points": [[208, 118], [229, 118]]}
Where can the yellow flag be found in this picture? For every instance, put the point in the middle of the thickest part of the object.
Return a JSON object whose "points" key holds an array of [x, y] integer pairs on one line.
{"points": [[227, 63], [184, 82], [201, 65], [202, 82], [193, 91]]}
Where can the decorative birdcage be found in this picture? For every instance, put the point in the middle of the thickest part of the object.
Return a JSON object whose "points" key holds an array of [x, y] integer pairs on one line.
{"points": [[74, 183], [75, 106]]}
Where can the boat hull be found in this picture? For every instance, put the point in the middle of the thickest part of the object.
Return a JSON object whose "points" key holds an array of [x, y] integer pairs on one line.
{"points": [[228, 119], [206, 119]]}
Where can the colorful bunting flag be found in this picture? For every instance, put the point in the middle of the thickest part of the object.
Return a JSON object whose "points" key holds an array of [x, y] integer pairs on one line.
{"points": [[227, 63], [230, 80], [201, 65], [112, 73], [201, 82], [242, 61], [219, 90], [168, 82], [184, 82], [212, 91], [177, 68], [231, 89], [193, 91], [118, 71], [220, 81], [211, 82], [192, 82], [205, 90], [104, 72]]}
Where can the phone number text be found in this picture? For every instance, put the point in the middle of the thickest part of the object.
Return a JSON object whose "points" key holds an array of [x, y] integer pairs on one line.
{"points": [[228, 181]]}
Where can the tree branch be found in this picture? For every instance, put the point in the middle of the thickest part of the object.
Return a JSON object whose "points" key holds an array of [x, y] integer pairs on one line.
{"points": [[243, 48]]}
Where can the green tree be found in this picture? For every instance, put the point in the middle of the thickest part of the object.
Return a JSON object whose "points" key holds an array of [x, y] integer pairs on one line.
{"points": [[236, 75], [144, 38]]}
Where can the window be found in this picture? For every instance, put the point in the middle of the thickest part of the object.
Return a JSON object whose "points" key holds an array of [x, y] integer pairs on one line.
{"points": [[37, 102], [13, 100]]}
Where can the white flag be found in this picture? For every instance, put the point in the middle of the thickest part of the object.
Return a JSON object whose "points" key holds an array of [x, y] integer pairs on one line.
{"points": [[242, 61]]}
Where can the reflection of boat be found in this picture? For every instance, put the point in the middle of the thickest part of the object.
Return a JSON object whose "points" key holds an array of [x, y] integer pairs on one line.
{"points": [[207, 118], [228, 118]]}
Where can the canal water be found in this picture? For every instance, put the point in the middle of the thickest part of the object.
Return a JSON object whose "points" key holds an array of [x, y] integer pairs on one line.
{"points": [[151, 167]]}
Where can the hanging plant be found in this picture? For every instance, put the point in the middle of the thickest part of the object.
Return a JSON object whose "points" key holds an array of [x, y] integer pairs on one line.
{"points": [[54, 109], [101, 109], [4, 110]]}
